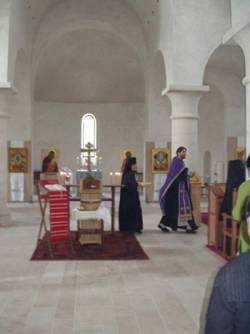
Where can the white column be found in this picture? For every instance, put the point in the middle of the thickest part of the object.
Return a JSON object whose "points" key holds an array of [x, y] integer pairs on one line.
{"points": [[185, 119], [242, 37], [4, 211], [246, 83]]}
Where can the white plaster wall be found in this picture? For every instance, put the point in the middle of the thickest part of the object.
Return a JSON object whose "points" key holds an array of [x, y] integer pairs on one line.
{"points": [[4, 39], [119, 126], [19, 35], [240, 11], [158, 106], [19, 108], [164, 36], [222, 114], [189, 32], [159, 127]]}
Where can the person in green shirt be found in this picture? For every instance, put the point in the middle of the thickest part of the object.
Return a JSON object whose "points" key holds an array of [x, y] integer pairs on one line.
{"points": [[239, 213]]}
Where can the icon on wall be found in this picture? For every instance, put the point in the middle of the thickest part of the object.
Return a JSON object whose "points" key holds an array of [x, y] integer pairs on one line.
{"points": [[160, 160], [51, 162], [18, 160]]}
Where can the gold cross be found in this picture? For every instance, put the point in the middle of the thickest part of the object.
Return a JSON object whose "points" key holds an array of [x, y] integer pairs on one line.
{"points": [[89, 149]]}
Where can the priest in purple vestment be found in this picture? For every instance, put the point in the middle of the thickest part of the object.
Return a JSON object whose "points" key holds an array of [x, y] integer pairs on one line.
{"points": [[175, 197]]}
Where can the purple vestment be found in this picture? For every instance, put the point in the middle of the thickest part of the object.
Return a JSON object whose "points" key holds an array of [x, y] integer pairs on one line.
{"points": [[185, 207]]}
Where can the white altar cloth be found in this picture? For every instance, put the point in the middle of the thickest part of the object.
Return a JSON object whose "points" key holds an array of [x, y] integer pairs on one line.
{"points": [[101, 213]]}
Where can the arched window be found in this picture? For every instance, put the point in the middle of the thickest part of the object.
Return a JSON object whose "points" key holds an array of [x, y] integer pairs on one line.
{"points": [[88, 130]]}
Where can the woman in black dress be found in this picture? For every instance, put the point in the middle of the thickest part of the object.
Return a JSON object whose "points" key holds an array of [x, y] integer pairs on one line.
{"points": [[130, 213]]}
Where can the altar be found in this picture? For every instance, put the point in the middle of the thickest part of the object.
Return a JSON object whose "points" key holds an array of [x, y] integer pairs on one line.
{"points": [[83, 174], [89, 169], [102, 213], [91, 225]]}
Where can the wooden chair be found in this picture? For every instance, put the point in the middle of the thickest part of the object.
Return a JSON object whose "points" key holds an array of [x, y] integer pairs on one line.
{"points": [[230, 232]]}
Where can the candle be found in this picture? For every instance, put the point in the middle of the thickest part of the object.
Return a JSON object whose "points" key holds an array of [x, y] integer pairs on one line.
{"points": [[111, 178], [117, 178]]}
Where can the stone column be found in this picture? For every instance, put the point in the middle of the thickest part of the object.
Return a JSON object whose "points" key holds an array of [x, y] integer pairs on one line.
{"points": [[4, 211], [185, 119], [241, 35], [246, 83], [243, 39]]}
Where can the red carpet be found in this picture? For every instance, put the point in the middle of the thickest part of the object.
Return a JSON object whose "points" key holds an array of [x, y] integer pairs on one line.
{"points": [[217, 251], [204, 218], [119, 246]]}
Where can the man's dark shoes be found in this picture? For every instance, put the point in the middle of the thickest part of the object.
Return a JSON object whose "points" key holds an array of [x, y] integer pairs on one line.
{"points": [[192, 231], [164, 228]]}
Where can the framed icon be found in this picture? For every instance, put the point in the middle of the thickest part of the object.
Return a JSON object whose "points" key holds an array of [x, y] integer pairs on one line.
{"points": [[160, 160], [18, 160]]}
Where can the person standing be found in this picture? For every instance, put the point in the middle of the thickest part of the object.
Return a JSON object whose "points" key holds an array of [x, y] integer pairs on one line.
{"points": [[130, 213], [128, 154], [235, 177], [238, 212], [175, 197], [229, 306]]}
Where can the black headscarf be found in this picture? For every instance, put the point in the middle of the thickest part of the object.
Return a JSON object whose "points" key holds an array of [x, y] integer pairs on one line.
{"points": [[128, 166], [248, 161]]}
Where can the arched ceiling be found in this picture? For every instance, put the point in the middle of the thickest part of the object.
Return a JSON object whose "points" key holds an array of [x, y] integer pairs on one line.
{"points": [[145, 10], [89, 66], [229, 58]]}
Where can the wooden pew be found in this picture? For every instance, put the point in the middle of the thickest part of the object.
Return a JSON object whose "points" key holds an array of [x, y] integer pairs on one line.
{"points": [[216, 194]]}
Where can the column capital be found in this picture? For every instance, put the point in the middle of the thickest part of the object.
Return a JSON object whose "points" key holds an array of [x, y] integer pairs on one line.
{"points": [[185, 116], [4, 115], [180, 88], [185, 102], [246, 80], [7, 88]]}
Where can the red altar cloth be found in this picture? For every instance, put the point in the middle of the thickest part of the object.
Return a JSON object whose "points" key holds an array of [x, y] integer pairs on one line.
{"points": [[59, 215], [59, 209]]}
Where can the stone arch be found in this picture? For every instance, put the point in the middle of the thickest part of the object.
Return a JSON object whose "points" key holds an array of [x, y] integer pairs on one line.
{"points": [[211, 111], [217, 51], [222, 110], [58, 26], [160, 72], [20, 70]]}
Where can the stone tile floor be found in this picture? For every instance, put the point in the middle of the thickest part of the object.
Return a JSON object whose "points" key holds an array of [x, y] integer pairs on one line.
{"points": [[165, 295]]}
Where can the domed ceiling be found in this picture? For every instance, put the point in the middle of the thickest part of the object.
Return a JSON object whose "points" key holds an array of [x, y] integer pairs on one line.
{"points": [[89, 66]]}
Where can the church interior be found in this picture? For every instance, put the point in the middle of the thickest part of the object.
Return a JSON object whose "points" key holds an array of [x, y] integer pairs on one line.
{"points": [[82, 84]]}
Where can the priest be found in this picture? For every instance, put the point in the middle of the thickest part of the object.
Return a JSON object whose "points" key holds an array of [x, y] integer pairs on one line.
{"points": [[175, 197]]}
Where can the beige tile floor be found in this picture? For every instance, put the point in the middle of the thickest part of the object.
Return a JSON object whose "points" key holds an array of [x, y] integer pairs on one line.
{"points": [[166, 294]]}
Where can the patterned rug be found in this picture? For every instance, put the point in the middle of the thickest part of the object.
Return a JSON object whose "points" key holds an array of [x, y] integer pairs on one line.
{"points": [[117, 246]]}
